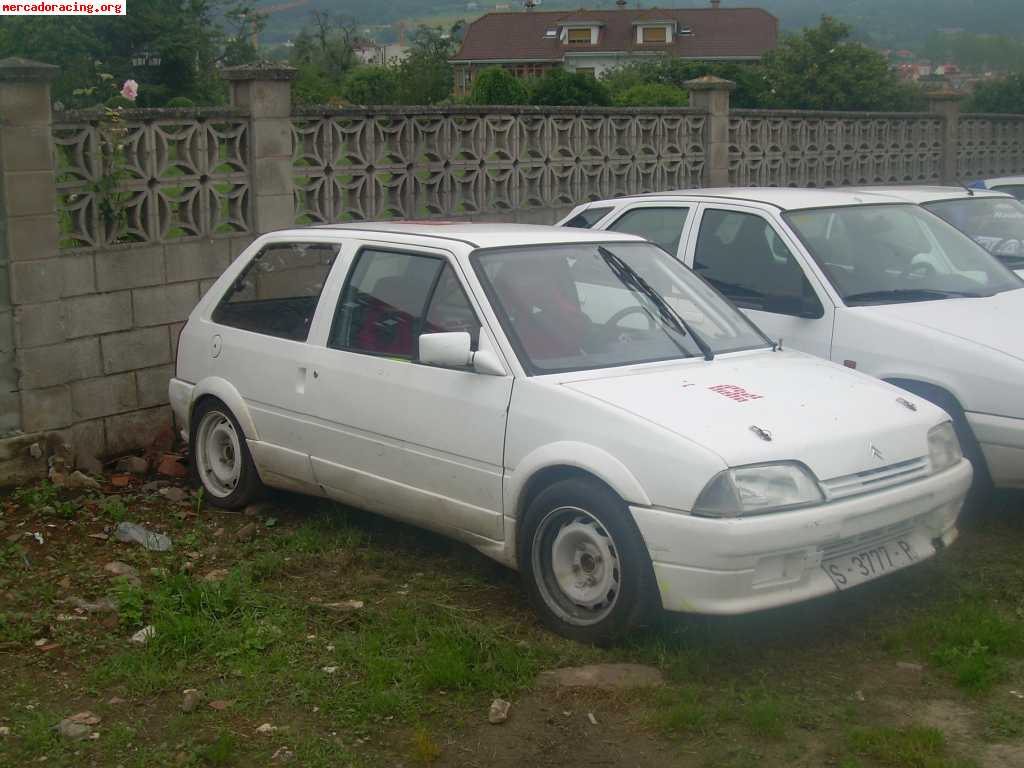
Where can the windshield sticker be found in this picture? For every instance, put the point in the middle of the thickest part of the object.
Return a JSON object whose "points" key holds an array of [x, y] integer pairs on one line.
{"points": [[733, 392]]}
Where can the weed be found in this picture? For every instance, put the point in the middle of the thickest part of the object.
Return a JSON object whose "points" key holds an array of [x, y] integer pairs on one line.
{"points": [[42, 494], [1004, 722], [197, 502], [219, 752], [765, 713], [14, 629], [912, 747], [114, 508], [424, 749], [131, 602], [681, 711]]}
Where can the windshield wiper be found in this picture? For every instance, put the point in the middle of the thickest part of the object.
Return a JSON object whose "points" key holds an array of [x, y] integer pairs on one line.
{"points": [[632, 279], [908, 294]]}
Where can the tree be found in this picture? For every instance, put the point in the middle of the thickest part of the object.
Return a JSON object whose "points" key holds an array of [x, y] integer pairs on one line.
{"points": [[496, 85], [652, 95], [371, 86], [324, 54], [1004, 96], [424, 75], [820, 68], [749, 78], [558, 87]]}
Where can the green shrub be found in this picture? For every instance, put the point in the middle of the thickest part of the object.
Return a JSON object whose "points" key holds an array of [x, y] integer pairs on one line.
{"points": [[569, 89], [496, 85], [180, 102], [652, 95]]}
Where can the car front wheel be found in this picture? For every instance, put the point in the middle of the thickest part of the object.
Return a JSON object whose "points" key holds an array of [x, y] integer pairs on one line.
{"points": [[220, 457], [585, 563]]}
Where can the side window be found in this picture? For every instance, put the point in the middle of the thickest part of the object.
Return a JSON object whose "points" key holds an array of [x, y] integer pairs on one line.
{"points": [[662, 226], [586, 219], [1017, 190], [742, 256], [391, 298], [277, 293]]}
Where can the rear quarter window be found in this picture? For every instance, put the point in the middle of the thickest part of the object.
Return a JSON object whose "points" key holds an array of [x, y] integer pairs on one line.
{"points": [[588, 218]]}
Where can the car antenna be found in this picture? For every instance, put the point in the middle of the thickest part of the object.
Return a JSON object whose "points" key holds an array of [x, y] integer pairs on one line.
{"points": [[777, 346], [970, 192]]}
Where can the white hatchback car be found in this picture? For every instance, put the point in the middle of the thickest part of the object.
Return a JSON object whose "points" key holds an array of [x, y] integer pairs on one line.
{"points": [[576, 405], [864, 279], [1011, 185]]}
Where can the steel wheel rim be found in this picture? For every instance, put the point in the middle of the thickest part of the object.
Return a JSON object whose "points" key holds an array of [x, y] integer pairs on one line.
{"points": [[218, 454], [576, 566]]}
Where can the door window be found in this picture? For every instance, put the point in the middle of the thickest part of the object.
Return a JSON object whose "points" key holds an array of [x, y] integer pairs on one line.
{"points": [[662, 226], [743, 257], [1017, 190], [391, 298], [277, 292]]}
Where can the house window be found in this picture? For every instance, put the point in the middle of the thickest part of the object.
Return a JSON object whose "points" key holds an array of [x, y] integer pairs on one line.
{"points": [[586, 71], [578, 36], [654, 34]]}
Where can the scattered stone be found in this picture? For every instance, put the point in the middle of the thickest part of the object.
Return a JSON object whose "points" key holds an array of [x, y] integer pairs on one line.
{"points": [[71, 617], [103, 605], [41, 642], [266, 729], [154, 486], [35, 451], [173, 494], [591, 718], [220, 705], [5, 731], [910, 666], [859, 695], [218, 533], [89, 464], [133, 532], [120, 481], [607, 676], [49, 647], [246, 532], [170, 466], [114, 701], [73, 731], [282, 755], [216, 575], [85, 718], [345, 605], [117, 568], [1017, 694], [133, 465], [99, 536], [330, 670], [65, 583], [143, 635], [498, 713], [78, 480], [190, 699]]}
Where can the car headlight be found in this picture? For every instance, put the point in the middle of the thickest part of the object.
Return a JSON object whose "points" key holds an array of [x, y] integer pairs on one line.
{"points": [[944, 446], [757, 489]]}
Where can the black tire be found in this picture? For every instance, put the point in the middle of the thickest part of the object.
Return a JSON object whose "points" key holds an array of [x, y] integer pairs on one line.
{"points": [[602, 525], [248, 487]]}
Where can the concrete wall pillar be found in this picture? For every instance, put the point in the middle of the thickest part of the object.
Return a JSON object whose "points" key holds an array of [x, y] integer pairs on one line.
{"points": [[31, 272], [947, 104], [711, 93], [266, 92]]}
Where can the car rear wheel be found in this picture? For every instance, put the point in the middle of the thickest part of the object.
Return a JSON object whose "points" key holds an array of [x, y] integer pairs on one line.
{"points": [[585, 563], [221, 460]]}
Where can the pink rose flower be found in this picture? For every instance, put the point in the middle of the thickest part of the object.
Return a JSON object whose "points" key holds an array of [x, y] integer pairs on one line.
{"points": [[130, 90]]}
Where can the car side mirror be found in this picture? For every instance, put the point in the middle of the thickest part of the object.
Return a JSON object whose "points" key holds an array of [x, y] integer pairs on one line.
{"points": [[453, 349]]}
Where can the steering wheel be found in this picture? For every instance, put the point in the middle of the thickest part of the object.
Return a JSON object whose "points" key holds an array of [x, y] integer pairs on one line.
{"points": [[919, 270], [625, 334]]}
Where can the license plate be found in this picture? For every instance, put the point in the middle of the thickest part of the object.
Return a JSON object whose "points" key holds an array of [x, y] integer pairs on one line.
{"points": [[862, 565]]}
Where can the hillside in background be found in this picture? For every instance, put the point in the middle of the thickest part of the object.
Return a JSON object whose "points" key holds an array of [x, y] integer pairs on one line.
{"points": [[886, 23]]}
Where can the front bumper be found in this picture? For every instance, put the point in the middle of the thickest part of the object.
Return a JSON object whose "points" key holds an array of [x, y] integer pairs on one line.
{"points": [[741, 565], [1002, 443]]}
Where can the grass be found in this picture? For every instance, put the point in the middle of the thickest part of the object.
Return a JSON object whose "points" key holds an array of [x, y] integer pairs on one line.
{"points": [[911, 747]]}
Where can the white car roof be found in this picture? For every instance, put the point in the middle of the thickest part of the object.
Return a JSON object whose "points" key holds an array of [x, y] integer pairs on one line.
{"points": [[930, 194], [784, 198], [478, 235]]}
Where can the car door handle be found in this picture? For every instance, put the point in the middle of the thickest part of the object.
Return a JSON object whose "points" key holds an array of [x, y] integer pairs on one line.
{"points": [[300, 380]]}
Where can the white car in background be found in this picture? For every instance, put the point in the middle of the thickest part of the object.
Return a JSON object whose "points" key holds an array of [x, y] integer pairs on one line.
{"points": [[994, 220], [1011, 185], [864, 279], [577, 405]]}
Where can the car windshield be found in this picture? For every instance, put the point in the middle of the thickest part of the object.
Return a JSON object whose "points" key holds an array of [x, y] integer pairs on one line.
{"points": [[995, 223], [881, 254], [584, 306]]}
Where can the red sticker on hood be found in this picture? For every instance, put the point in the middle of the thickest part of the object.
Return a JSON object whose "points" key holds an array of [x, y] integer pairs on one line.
{"points": [[733, 392]]}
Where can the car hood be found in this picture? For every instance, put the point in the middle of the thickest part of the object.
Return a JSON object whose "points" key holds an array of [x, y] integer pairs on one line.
{"points": [[994, 322], [834, 420]]}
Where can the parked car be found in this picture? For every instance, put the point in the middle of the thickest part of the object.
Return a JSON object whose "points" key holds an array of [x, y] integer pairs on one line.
{"points": [[1011, 185], [864, 279], [994, 220], [576, 405]]}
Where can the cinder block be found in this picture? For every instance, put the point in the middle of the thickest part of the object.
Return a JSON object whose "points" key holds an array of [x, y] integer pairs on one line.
{"points": [[99, 313], [152, 384], [6, 333], [79, 274], [59, 364], [274, 212], [196, 260], [10, 411], [129, 268], [136, 429], [104, 396], [87, 438], [164, 304], [44, 409], [36, 281], [30, 193], [26, 148], [33, 237], [132, 350], [37, 325]]}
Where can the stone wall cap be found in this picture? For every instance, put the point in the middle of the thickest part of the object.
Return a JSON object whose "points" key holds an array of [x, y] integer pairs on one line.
{"points": [[259, 72], [19, 70], [710, 83]]}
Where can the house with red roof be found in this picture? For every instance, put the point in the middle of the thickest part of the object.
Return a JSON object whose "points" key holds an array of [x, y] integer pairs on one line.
{"points": [[530, 42]]}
